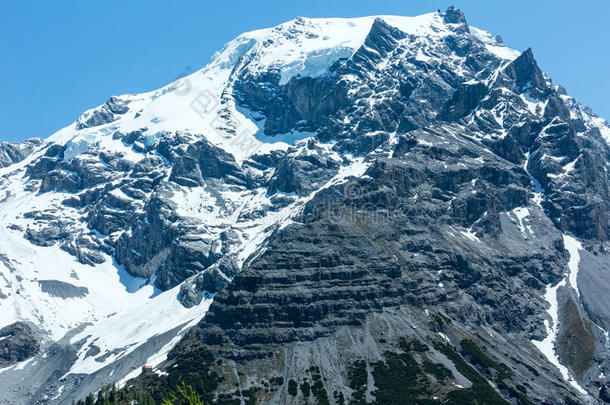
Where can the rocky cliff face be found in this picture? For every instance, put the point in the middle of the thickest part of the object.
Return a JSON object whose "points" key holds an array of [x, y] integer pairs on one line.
{"points": [[18, 343], [13, 152], [372, 209]]}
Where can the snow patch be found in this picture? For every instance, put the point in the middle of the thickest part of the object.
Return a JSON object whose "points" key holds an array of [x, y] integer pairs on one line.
{"points": [[132, 326], [492, 45], [470, 235], [573, 247], [538, 194], [522, 213], [547, 345], [314, 63]]}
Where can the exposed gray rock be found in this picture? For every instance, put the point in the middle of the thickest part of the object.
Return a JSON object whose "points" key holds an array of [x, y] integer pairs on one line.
{"points": [[190, 295], [190, 255], [13, 152], [304, 173], [464, 100], [95, 117], [103, 114], [593, 281], [455, 16], [525, 76], [17, 343], [46, 236], [208, 281], [203, 160]]}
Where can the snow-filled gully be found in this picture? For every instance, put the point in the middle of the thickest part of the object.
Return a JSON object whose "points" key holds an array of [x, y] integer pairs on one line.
{"points": [[547, 345]]}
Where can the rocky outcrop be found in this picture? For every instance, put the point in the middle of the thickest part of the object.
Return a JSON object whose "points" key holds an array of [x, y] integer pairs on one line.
{"points": [[303, 173], [13, 152], [524, 75], [103, 114], [464, 100], [456, 16], [200, 161], [17, 343], [213, 279]]}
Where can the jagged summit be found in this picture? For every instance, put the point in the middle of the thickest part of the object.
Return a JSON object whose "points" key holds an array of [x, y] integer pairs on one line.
{"points": [[527, 75], [457, 17], [301, 47], [321, 184]]}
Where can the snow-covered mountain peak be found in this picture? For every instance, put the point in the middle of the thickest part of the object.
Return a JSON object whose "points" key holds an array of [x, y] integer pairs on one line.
{"points": [[303, 47], [309, 46], [117, 231]]}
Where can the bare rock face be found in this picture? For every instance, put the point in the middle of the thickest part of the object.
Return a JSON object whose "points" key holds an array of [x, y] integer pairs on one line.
{"points": [[387, 265], [525, 75], [17, 343], [303, 174], [13, 152], [456, 16], [576, 340], [103, 114]]}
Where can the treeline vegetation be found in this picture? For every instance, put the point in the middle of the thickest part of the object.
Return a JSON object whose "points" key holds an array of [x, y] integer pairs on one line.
{"points": [[185, 395]]}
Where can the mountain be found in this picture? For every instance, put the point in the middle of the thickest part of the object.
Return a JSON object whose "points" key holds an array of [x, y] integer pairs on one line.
{"points": [[13, 152], [380, 209]]}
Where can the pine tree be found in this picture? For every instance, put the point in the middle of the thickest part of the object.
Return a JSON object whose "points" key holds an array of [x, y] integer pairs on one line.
{"points": [[186, 395], [112, 394]]}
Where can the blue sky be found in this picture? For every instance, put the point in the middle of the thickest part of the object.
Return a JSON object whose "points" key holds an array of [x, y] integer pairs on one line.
{"points": [[61, 58]]}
